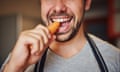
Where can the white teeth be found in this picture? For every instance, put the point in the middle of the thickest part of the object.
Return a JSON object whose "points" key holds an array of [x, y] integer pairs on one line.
{"points": [[61, 20]]}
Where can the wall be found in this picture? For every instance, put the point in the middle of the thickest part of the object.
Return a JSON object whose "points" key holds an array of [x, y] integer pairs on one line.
{"points": [[7, 35], [24, 7]]}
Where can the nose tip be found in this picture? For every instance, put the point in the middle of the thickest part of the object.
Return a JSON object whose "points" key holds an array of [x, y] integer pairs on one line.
{"points": [[60, 7]]}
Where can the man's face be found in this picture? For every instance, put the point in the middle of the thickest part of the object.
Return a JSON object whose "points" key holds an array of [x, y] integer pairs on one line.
{"points": [[68, 12]]}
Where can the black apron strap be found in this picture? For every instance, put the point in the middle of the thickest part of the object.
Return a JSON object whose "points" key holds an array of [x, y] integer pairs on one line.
{"points": [[39, 67], [97, 54]]}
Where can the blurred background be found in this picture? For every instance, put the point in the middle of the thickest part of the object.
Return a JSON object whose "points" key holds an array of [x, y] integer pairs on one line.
{"points": [[101, 20]]}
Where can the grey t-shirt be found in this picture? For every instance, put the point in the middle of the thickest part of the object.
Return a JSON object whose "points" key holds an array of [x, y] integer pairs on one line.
{"points": [[84, 61]]}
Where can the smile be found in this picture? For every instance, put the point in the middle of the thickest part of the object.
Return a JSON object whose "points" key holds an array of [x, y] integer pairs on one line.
{"points": [[65, 22]]}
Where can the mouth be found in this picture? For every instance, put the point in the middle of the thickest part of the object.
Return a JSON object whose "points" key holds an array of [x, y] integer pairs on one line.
{"points": [[65, 23]]}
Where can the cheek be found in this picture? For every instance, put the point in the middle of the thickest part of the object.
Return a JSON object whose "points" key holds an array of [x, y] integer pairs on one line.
{"points": [[77, 7], [45, 8], [43, 11], [78, 12]]}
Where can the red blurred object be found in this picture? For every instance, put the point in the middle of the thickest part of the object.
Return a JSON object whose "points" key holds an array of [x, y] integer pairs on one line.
{"points": [[111, 20]]}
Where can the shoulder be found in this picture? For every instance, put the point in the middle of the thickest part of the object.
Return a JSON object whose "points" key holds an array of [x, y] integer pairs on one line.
{"points": [[104, 45], [110, 53]]}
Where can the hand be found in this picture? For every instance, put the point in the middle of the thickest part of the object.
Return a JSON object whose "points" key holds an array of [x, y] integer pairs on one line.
{"points": [[29, 48]]}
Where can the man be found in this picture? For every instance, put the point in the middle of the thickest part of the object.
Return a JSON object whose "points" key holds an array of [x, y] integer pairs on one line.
{"points": [[68, 50]]}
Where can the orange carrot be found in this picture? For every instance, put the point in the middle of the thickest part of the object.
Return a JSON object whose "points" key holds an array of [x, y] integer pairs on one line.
{"points": [[54, 27]]}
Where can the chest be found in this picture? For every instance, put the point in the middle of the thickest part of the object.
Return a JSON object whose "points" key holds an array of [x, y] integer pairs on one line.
{"points": [[82, 62]]}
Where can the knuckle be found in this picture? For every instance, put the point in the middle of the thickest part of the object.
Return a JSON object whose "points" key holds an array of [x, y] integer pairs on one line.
{"points": [[36, 40], [39, 26], [23, 33]]}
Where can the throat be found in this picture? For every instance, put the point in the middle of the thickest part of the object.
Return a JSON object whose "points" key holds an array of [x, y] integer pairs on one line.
{"points": [[68, 50], [66, 53]]}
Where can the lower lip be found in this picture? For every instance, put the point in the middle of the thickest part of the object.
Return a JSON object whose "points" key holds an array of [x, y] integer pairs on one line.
{"points": [[65, 27]]}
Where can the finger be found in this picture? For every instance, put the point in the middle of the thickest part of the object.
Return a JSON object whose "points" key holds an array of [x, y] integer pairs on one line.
{"points": [[40, 37], [40, 33], [45, 29], [38, 41], [32, 43]]}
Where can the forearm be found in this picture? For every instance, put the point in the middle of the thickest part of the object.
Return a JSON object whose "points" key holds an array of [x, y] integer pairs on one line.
{"points": [[9, 67]]}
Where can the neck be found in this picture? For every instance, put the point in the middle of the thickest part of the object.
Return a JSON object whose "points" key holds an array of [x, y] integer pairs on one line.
{"points": [[70, 48]]}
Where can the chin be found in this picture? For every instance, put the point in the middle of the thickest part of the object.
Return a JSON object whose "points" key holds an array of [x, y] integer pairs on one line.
{"points": [[65, 36]]}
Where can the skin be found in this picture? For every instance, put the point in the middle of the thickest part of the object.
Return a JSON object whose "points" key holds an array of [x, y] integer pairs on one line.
{"points": [[31, 44]]}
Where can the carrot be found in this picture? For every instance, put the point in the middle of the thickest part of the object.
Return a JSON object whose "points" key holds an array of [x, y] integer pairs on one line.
{"points": [[53, 27]]}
